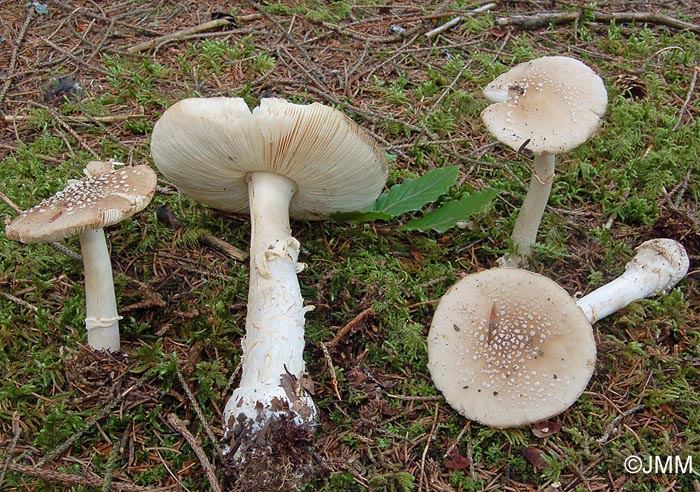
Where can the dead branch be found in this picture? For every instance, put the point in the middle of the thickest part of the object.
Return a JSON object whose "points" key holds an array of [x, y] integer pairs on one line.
{"points": [[57, 476], [13, 57], [536, 21], [457, 20], [180, 427], [349, 327], [207, 26]]}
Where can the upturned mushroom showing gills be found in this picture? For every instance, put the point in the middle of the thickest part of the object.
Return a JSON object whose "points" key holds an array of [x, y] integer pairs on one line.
{"points": [[508, 347], [104, 198], [548, 106], [280, 159]]}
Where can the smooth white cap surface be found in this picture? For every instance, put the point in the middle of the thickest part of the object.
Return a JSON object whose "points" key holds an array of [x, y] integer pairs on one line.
{"points": [[207, 146], [89, 203], [555, 102], [508, 347]]}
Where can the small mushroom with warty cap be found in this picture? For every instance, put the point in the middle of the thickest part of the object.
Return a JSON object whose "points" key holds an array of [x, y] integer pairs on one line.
{"points": [[279, 160], [548, 106], [104, 198]]}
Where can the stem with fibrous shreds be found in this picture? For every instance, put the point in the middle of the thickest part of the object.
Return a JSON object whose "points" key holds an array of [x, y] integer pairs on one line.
{"points": [[272, 361]]}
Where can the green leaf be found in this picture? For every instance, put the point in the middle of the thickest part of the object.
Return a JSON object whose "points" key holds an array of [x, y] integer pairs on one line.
{"points": [[449, 214], [408, 196]]}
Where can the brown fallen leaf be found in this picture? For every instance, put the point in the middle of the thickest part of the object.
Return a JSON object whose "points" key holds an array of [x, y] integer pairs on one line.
{"points": [[545, 428], [535, 457], [456, 461]]}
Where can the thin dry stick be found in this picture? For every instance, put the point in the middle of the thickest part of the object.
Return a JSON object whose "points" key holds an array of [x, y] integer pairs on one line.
{"points": [[612, 425], [112, 461], [207, 26], [331, 368], [13, 57], [424, 455], [180, 426], [546, 18], [684, 108], [118, 118], [349, 326], [57, 476], [452, 23], [464, 430], [193, 401], [67, 127], [15, 437], [19, 301]]}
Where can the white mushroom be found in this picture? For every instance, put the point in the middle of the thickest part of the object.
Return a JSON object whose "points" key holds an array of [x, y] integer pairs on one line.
{"points": [[508, 347], [548, 106], [658, 265], [85, 207], [281, 159]]}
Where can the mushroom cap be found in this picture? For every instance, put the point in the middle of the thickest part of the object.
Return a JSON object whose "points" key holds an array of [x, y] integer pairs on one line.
{"points": [[88, 203], [555, 102], [508, 347], [207, 146]]}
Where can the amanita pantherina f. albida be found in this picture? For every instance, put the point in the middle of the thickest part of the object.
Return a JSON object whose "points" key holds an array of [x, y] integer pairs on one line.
{"points": [[509, 347], [548, 106], [104, 198], [281, 159]]}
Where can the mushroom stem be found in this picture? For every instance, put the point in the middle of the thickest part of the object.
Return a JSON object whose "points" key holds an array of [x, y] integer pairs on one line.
{"points": [[530, 215], [101, 316], [273, 345], [658, 265]]}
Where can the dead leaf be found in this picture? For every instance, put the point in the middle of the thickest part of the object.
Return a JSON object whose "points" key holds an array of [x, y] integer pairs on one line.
{"points": [[535, 457], [545, 428], [456, 461]]}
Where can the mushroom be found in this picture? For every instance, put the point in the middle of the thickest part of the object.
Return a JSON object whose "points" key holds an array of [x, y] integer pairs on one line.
{"points": [[104, 197], [658, 265], [508, 347], [548, 106], [281, 159]]}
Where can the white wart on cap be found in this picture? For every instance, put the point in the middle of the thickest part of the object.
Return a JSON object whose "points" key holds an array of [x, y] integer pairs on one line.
{"points": [[553, 103], [89, 203], [206, 148], [508, 347]]}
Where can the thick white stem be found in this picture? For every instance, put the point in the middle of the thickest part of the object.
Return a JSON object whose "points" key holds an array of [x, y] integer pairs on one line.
{"points": [[101, 316], [273, 345], [658, 265], [530, 215]]}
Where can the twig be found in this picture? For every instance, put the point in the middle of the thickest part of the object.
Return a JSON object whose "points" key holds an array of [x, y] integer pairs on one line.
{"points": [[112, 461], [687, 97], [424, 455], [452, 23], [81, 119], [544, 19], [348, 327], [464, 430], [331, 368], [57, 476], [19, 301], [13, 57], [207, 26], [200, 415], [414, 398], [180, 427], [67, 127], [15, 437], [612, 425]]}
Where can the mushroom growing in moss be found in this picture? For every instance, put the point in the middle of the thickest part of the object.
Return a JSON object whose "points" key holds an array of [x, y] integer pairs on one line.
{"points": [[508, 347], [548, 106], [104, 198], [280, 160]]}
